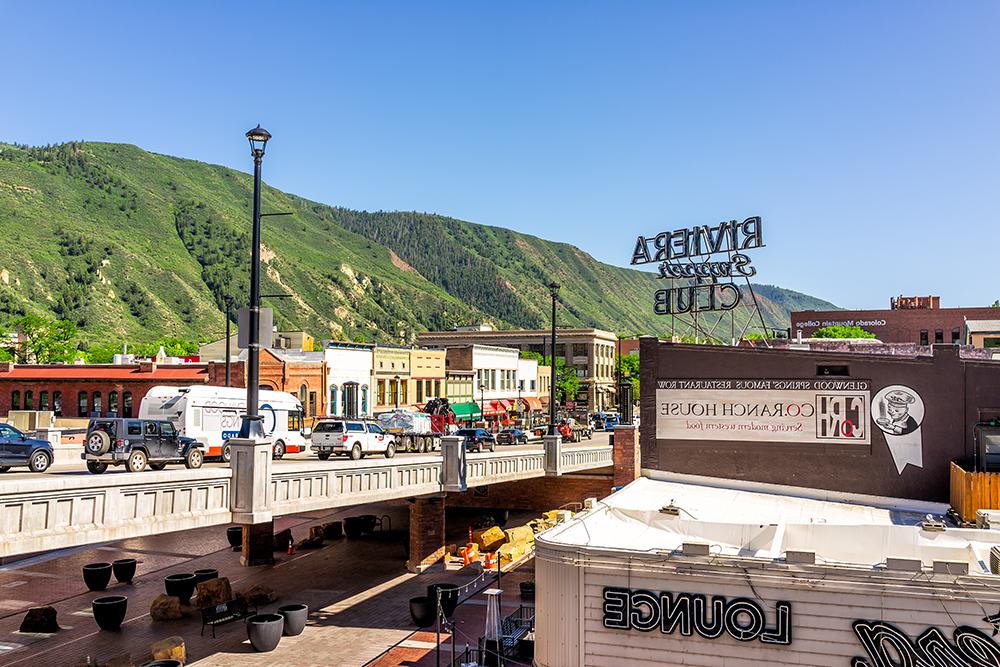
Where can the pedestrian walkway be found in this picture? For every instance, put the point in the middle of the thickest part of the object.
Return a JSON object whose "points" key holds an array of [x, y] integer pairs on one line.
{"points": [[357, 591]]}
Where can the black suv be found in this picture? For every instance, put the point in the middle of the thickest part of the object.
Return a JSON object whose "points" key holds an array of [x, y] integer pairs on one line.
{"points": [[137, 442], [17, 449], [477, 439]]}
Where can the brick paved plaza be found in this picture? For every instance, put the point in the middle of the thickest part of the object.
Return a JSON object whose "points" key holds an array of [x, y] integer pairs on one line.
{"points": [[357, 592]]}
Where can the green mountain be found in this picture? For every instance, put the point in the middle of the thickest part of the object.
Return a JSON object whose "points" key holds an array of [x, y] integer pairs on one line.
{"points": [[134, 246]]}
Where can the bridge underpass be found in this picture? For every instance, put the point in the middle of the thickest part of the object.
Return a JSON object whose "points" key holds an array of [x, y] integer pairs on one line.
{"points": [[44, 513]]}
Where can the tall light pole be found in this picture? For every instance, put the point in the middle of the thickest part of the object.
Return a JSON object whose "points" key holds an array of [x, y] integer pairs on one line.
{"points": [[258, 138], [396, 392], [482, 401], [229, 319], [554, 291]]}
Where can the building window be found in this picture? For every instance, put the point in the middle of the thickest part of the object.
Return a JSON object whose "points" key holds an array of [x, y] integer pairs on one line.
{"points": [[333, 400], [127, 404], [579, 350], [923, 337], [955, 336], [420, 391], [405, 386], [437, 388], [57, 403], [113, 402], [302, 394], [312, 403], [15, 400], [82, 400], [938, 336], [344, 399], [29, 401], [364, 399], [97, 402], [43, 400]]}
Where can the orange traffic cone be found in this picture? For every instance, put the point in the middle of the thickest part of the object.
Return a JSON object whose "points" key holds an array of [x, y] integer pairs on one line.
{"points": [[291, 547]]}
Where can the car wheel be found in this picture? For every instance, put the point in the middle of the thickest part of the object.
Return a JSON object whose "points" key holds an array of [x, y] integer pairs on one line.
{"points": [[323, 456], [4, 468], [194, 459], [279, 450], [136, 461], [98, 442], [356, 451], [227, 453], [390, 451], [39, 461], [97, 467], [157, 466]]}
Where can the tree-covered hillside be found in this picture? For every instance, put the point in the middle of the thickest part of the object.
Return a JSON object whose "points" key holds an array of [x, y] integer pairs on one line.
{"points": [[134, 245]]}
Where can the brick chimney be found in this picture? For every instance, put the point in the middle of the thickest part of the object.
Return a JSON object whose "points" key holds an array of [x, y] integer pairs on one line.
{"points": [[6, 366], [147, 366]]}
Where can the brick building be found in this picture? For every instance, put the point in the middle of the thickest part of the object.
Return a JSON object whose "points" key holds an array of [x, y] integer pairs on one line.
{"points": [[303, 374], [919, 320], [77, 390]]}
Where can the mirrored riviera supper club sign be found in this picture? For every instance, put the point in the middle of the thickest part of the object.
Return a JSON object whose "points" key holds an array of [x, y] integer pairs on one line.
{"points": [[703, 264]]}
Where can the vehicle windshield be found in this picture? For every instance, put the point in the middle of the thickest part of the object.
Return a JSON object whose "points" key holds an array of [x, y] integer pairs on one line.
{"points": [[329, 427], [467, 431]]}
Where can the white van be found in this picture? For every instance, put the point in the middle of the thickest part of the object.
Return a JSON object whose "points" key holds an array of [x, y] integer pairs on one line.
{"points": [[212, 416]]}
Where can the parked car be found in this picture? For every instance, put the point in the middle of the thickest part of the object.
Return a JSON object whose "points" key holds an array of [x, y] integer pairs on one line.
{"points": [[351, 437], [17, 449], [476, 439], [136, 443], [512, 436]]}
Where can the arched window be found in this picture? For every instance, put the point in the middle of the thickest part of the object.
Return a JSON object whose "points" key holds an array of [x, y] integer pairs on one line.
{"points": [[57, 403], [127, 404], [303, 390], [113, 402], [29, 401], [333, 400], [15, 400], [97, 402], [82, 399], [43, 400], [364, 399]]}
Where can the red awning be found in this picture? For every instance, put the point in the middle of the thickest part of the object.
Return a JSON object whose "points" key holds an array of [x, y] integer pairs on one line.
{"points": [[492, 409], [532, 402]]}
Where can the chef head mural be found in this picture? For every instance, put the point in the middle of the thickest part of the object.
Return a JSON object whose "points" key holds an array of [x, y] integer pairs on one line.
{"points": [[898, 413]]}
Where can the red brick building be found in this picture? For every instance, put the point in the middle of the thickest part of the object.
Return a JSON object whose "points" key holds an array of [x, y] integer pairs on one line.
{"points": [[77, 390], [303, 374], [917, 320]]}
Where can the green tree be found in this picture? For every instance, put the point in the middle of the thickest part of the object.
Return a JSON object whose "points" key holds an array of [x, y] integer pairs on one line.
{"points": [[44, 341], [567, 381], [842, 331], [629, 367]]}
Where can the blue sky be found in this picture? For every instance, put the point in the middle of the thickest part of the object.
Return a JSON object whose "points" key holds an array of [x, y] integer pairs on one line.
{"points": [[867, 135]]}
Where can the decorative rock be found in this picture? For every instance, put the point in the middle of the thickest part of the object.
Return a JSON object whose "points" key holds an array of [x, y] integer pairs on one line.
{"points": [[282, 539], [258, 595], [213, 592], [40, 619], [171, 648], [315, 539], [165, 608]]}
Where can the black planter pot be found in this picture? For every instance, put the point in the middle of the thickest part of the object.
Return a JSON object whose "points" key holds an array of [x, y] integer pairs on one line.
{"points": [[109, 611], [264, 631], [235, 536], [422, 611], [97, 576], [295, 618], [124, 570], [168, 662], [527, 590], [354, 527], [205, 575], [334, 530], [368, 523], [449, 598], [180, 586]]}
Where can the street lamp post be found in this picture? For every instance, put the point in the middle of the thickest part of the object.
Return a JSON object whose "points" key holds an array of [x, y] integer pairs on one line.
{"points": [[554, 291], [258, 138], [395, 393], [482, 401], [229, 320]]}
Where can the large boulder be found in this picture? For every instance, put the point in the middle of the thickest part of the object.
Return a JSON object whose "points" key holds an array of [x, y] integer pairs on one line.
{"points": [[171, 648], [315, 539], [213, 592], [40, 619], [165, 608], [258, 595], [282, 539]]}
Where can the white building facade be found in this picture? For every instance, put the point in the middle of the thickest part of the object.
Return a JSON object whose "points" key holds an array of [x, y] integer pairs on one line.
{"points": [[349, 363]]}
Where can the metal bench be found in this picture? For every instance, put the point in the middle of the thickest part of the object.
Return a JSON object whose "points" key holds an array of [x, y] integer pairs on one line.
{"points": [[227, 612], [514, 627]]}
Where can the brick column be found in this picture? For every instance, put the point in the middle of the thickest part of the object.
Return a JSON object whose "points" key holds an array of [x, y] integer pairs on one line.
{"points": [[626, 455], [426, 533], [258, 544]]}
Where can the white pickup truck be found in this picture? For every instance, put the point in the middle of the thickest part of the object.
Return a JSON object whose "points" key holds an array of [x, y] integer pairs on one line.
{"points": [[351, 437]]}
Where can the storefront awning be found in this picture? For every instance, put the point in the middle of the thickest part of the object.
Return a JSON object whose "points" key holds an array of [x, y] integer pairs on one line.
{"points": [[466, 410], [532, 403]]}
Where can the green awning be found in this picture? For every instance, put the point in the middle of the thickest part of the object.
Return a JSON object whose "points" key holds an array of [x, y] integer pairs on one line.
{"points": [[466, 411]]}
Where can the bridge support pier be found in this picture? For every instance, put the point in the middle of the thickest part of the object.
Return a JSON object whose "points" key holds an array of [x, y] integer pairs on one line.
{"points": [[625, 455], [250, 499], [426, 533]]}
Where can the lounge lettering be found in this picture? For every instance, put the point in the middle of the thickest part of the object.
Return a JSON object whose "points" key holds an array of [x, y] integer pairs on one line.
{"points": [[742, 619]]}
